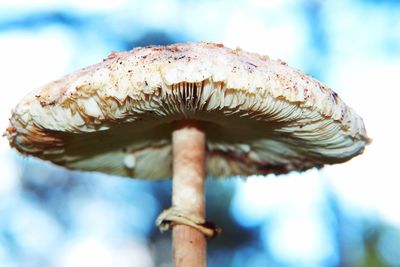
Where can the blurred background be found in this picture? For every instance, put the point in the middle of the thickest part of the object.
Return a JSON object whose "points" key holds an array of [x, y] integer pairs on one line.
{"points": [[344, 215]]}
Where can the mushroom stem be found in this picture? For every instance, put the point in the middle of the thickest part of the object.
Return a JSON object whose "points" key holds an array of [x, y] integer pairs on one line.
{"points": [[188, 148]]}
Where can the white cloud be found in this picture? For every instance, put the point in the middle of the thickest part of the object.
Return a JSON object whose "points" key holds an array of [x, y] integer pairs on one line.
{"points": [[259, 198], [300, 240], [89, 251]]}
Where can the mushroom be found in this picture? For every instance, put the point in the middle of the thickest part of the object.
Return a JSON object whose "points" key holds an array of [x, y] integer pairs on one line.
{"points": [[185, 110]]}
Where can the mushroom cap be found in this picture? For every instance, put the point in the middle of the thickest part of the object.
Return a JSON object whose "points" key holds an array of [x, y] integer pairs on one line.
{"points": [[260, 115]]}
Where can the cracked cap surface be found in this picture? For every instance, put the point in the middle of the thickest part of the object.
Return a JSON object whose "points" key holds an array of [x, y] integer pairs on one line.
{"points": [[260, 115]]}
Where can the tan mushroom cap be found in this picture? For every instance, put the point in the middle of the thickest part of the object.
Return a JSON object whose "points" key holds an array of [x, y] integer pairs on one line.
{"points": [[260, 115]]}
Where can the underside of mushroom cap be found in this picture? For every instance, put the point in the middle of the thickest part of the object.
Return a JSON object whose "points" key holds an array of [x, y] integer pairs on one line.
{"points": [[260, 115]]}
